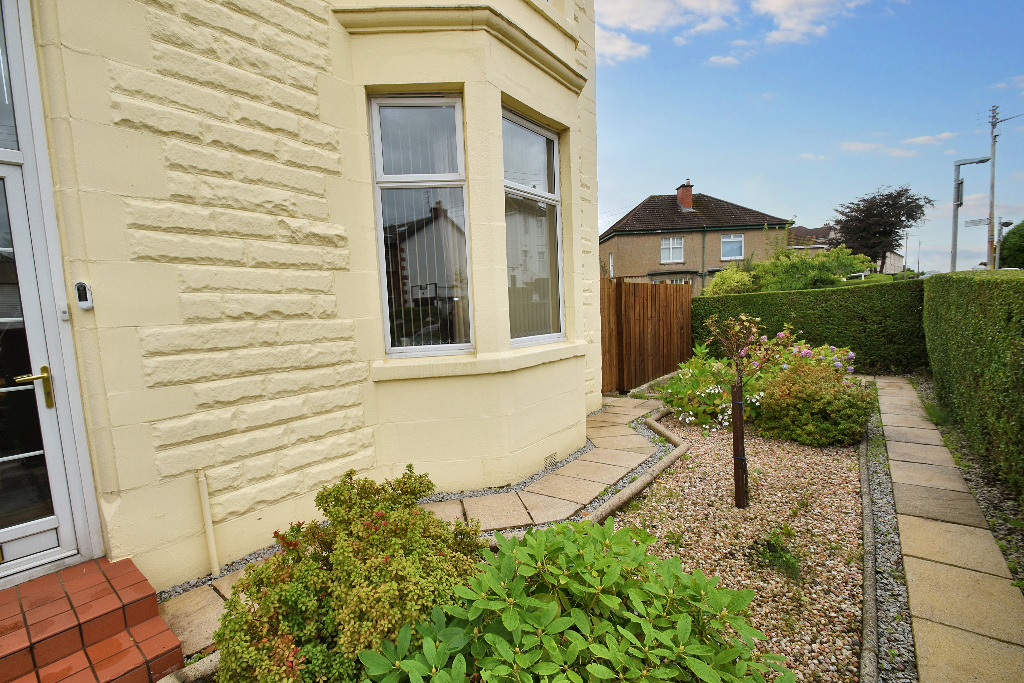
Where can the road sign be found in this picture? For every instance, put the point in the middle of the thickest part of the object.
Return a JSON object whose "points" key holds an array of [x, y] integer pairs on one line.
{"points": [[976, 221]]}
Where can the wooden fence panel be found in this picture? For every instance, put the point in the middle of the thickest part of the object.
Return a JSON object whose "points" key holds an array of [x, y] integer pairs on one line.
{"points": [[645, 332]]}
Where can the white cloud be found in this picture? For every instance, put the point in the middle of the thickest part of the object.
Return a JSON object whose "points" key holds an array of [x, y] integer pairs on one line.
{"points": [[813, 157], [616, 47], [929, 139], [877, 147], [719, 60], [796, 20], [653, 15], [680, 40]]}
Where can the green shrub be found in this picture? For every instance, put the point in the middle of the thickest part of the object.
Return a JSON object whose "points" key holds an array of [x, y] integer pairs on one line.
{"points": [[576, 603], [730, 280], [814, 405], [340, 587], [974, 323], [882, 323]]}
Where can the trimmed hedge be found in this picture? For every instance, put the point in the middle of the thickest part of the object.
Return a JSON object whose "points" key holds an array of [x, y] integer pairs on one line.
{"points": [[881, 323], [974, 324]]}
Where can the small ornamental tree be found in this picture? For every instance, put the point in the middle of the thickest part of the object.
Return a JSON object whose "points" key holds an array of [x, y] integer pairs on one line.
{"points": [[749, 350]]}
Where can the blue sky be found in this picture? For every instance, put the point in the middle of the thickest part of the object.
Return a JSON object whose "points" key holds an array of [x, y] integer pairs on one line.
{"points": [[794, 107]]}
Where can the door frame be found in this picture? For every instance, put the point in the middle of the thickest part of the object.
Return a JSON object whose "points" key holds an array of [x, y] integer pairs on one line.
{"points": [[39, 200]]}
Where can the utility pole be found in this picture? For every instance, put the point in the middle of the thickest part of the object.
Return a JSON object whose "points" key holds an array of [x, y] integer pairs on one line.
{"points": [[994, 120]]}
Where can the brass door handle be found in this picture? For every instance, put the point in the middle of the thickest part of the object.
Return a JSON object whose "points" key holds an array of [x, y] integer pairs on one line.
{"points": [[44, 375]]}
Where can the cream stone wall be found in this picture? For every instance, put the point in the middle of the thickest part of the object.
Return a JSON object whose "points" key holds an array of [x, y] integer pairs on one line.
{"points": [[212, 173]]}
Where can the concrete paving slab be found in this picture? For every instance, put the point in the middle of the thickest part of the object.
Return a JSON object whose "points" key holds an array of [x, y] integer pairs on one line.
{"points": [[890, 405], [947, 655], [898, 420], [545, 509], [193, 616], [908, 396], [918, 452], [962, 546], [652, 404], [594, 471], [946, 506], [224, 584], [624, 402], [968, 600], [919, 474], [448, 510], [634, 443], [611, 456], [567, 488], [929, 436], [497, 511], [606, 419], [609, 430]]}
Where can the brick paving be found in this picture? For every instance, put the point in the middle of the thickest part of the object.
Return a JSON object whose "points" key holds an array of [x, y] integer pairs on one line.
{"points": [[95, 622]]}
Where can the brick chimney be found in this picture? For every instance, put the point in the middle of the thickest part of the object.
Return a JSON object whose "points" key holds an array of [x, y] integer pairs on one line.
{"points": [[684, 195]]}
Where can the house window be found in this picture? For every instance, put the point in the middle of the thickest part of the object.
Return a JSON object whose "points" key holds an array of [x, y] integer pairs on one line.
{"points": [[680, 281], [732, 247], [420, 181], [671, 249], [611, 265], [532, 231]]}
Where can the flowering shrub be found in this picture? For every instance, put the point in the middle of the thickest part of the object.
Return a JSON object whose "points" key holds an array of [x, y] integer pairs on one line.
{"points": [[340, 587], [700, 393], [815, 404]]}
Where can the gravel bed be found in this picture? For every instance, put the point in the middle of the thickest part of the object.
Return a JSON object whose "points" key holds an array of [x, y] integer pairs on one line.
{"points": [[998, 503], [812, 496], [897, 660]]}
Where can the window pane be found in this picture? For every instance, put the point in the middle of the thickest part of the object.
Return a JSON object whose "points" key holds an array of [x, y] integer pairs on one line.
{"points": [[529, 157], [8, 131], [425, 262], [419, 140], [732, 247], [532, 246]]}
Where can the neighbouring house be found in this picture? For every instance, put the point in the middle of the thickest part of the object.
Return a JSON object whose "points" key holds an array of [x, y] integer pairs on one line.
{"points": [[684, 238], [811, 240], [261, 242]]}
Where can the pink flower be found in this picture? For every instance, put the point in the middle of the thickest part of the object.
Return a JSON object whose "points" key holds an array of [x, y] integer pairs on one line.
{"points": [[764, 339], [781, 335]]}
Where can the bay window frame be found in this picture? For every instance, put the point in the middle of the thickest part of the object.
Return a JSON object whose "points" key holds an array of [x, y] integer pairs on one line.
{"points": [[530, 193], [383, 181]]}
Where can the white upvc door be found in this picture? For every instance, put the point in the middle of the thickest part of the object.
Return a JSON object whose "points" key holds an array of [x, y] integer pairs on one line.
{"points": [[47, 505]]}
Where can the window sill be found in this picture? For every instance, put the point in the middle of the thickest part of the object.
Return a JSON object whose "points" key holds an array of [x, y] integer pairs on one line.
{"points": [[390, 369]]}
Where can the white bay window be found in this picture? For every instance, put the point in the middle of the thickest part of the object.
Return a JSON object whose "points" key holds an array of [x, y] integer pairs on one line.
{"points": [[532, 232], [420, 181]]}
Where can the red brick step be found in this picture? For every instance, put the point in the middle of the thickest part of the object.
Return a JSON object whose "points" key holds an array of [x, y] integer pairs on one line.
{"points": [[95, 622]]}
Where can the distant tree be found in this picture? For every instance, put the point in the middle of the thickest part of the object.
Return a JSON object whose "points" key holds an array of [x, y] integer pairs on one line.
{"points": [[799, 270], [1011, 255], [874, 225]]}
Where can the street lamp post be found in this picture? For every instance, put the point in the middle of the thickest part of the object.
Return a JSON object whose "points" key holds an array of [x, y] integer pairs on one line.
{"points": [[958, 201], [999, 238]]}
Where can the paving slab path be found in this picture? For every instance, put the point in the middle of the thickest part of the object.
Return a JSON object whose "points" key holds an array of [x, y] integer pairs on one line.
{"points": [[966, 614]]}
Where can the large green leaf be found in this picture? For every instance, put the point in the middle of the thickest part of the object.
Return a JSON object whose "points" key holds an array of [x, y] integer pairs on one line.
{"points": [[702, 671]]}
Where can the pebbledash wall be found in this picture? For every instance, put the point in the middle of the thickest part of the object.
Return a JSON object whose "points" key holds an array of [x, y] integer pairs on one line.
{"points": [[213, 179]]}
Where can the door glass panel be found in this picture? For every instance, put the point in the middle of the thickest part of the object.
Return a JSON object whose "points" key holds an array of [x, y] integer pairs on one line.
{"points": [[8, 131], [24, 483]]}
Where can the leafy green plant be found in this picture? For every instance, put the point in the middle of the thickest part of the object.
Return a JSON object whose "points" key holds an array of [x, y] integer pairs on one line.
{"points": [[580, 603], [815, 406], [340, 587], [771, 551]]}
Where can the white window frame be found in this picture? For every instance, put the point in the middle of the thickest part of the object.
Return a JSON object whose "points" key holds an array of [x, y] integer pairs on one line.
{"points": [[611, 265], [680, 281], [383, 181], [550, 198], [732, 238], [670, 244]]}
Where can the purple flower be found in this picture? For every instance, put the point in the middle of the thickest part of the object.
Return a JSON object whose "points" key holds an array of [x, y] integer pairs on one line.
{"points": [[781, 335], [838, 365], [851, 355], [743, 352], [764, 339], [755, 365], [785, 367], [806, 353], [849, 369], [832, 349]]}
